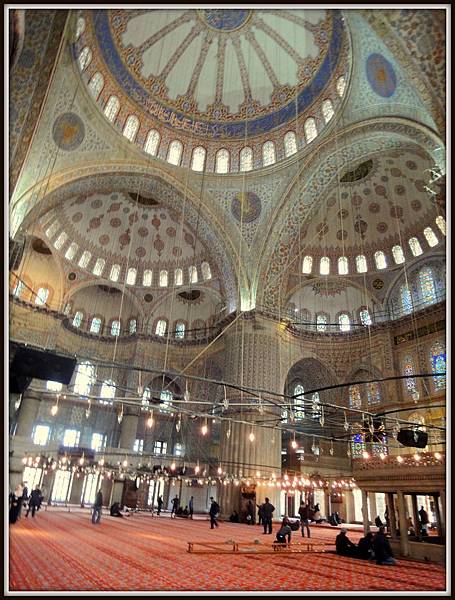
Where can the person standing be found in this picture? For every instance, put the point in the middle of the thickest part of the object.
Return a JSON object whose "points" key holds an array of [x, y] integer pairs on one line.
{"points": [[423, 521], [34, 501], [190, 507], [267, 512], [175, 506], [214, 511], [160, 504], [260, 516], [304, 512], [15, 504], [250, 513], [97, 506]]}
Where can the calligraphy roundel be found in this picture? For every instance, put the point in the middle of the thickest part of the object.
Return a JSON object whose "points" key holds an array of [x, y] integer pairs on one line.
{"points": [[246, 207], [381, 75], [68, 131]]}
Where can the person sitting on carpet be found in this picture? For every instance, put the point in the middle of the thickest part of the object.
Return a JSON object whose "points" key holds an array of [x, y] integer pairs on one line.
{"points": [[317, 514], [115, 510], [365, 547], [234, 518], [284, 532], [382, 550], [343, 544], [185, 512]]}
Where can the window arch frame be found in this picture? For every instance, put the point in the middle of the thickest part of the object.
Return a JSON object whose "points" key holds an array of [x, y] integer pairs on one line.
{"points": [[194, 158], [156, 142], [175, 147], [112, 108], [226, 157], [242, 161], [310, 136], [133, 128], [290, 148]]}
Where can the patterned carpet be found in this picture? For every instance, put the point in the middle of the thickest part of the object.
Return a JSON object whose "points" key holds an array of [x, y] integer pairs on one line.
{"points": [[63, 551]]}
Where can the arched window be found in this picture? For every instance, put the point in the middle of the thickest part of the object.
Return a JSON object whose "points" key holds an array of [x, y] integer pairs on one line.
{"points": [[341, 86], [107, 393], [441, 223], [41, 296], [198, 159], [80, 27], [131, 276], [438, 364], [355, 397], [84, 58], [373, 392], [166, 400], [343, 267], [99, 266], [145, 402], [206, 272], [115, 273], [415, 246], [290, 144], [95, 325], [95, 85], [361, 263], [324, 266], [85, 259], [222, 161], [71, 252], [410, 383], [54, 386], [299, 404], [430, 236], [246, 159], [161, 327], [52, 229], [163, 278], [321, 322], [380, 260], [307, 264], [60, 241], [344, 321], [133, 326], [180, 330], [131, 127], [327, 110], [427, 285], [310, 130], [174, 153], [18, 289], [406, 299], [115, 328], [152, 141], [398, 255], [268, 153], [178, 276], [67, 309], [357, 445], [111, 109], [192, 274], [365, 318], [147, 278], [316, 406], [85, 378], [77, 319]]}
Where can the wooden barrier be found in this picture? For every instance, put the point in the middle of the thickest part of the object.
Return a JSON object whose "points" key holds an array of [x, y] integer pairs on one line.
{"points": [[232, 547]]}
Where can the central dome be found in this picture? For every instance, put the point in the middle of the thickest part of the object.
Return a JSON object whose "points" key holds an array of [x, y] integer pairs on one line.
{"points": [[225, 20]]}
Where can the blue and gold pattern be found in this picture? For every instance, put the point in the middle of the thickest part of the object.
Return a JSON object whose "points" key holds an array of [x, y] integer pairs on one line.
{"points": [[225, 20], [68, 131], [246, 207], [381, 75]]}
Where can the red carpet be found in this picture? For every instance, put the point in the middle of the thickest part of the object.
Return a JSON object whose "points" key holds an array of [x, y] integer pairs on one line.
{"points": [[64, 551]]}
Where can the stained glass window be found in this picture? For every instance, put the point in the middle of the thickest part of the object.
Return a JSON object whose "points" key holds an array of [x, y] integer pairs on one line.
{"points": [[71, 252], [379, 445], [246, 159], [115, 328], [373, 392], [192, 273], [365, 318], [408, 369], [147, 394], [84, 58], [398, 255], [133, 326], [380, 259], [131, 277], [147, 278], [307, 264], [41, 296], [406, 299], [99, 266], [415, 246], [341, 86], [222, 161], [52, 229], [198, 159], [20, 285], [324, 266], [111, 109], [178, 276], [85, 259], [161, 327], [321, 322], [355, 397], [438, 364], [430, 236], [115, 273], [107, 393], [427, 285], [180, 330], [361, 263], [80, 27], [344, 321], [166, 399], [61, 240], [163, 278], [77, 320], [441, 223], [343, 267], [357, 445], [95, 325], [290, 144], [299, 405], [310, 130], [131, 127], [316, 406], [152, 141], [206, 272], [95, 85], [175, 152], [85, 378], [268, 154], [327, 110]]}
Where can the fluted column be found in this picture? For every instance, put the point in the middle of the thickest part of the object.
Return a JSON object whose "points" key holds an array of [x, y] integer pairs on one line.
{"points": [[252, 360], [28, 413], [129, 430]]}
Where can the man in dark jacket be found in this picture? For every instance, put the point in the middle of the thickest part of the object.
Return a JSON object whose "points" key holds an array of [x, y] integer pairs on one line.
{"points": [[213, 512], [267, 512], [365, 547], [304, 512], [423, 515], [34, 501], [175, 506], [97, 506], [343, 544], [160, 504], [382, 550]]}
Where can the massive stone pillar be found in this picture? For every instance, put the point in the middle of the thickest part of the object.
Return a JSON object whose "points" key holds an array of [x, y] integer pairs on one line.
{"points": [[129, 429], [403, 521], [366, 521], [252, 360], [27, 414]]}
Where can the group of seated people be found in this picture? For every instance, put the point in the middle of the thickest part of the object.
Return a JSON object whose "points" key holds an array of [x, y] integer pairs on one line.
{"points": [[182, 512], [371, 547]]}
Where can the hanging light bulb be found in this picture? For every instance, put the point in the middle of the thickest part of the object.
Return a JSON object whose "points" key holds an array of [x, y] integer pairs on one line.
{"points": [[331, 448], [251, 436], [204, 428], [150, 419], [294, 443], [197, 468], [173, 466], [125, 462], [321, 416], [186, 394], [178, 424], [54, 409], [220, 470], [81, 460]]}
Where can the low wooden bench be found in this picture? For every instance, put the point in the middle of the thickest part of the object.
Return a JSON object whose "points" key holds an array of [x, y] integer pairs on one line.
{"points": [[232, 547]]}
